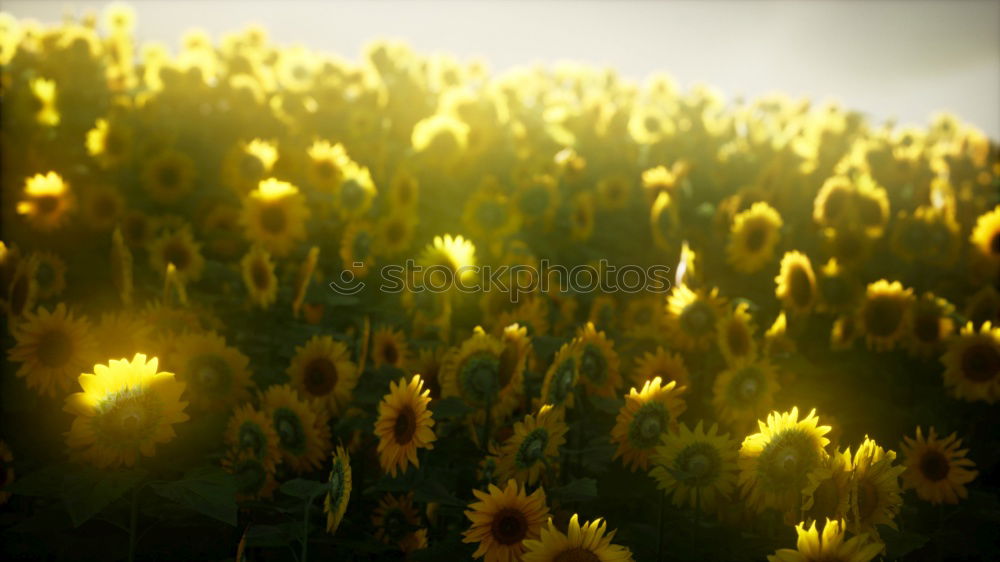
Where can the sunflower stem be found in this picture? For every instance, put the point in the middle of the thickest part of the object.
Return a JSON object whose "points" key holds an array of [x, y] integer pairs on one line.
{"points": [[305, 529], [133, 521]]}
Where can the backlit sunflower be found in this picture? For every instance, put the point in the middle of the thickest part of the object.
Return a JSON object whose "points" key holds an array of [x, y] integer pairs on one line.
{"points": [[931, 325], [875, 493], [53, 348], [356, 191], [102, 207], [46, 202], [972, 364], [339, 489], [404, 425], [217, 375], [503, 519], [254, 479], [589, 542], [775, 463], [752, 238], [692, 316], [389, 347], [126, 409], [489, 215], [831, 546], [357, 248], [884, 314], [796, 283], [397, 522], [322, 370], [744, 393], [168, 176], [736, 335], [776, 339], [246, 164], [985, 236], [325, 168], [303, 433], [258, 276], [937, 468], [598, 361], [472, 371], [533, 449], [827, 494], [562, 377], [274, 215], [447, 262], [698, 467], [394, 233], [177, 247], [850, 246], [404, 191], [252, 430], [428, 362], [646, 415], [664, 364]]}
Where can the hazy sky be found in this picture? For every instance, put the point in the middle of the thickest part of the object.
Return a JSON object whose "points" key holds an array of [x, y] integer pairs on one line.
{"points": [[888, 58]]}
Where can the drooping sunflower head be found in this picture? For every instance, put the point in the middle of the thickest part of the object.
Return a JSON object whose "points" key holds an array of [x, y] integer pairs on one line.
{"points": [[775, 463], [397, 522], [217, 375], [259, 277], [646, 415], [693, 315], [972, 364], [753, 237], [46, 201], [404, 425], [884, 315], [744, 393], [562, 377], [339, 489], [503, 519], [698, 467], [590, 542], [796, 284], [53, 348], [533, 449], [875, 491], [303, 433], [599, 363], [127, 407], [736, 335], [937, 467], [252, 430], [274, 216], [448, 261], [322, 370], [832, 545]]}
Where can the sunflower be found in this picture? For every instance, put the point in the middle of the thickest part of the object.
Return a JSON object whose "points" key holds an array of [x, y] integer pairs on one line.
{"points": [[254, 479], [53, 349], [598, 361], [179, 248], [985, 237], [533, 449], [838, 290], [122, 335], [736, 335], [850, 246], [646, 415], [503, 519], [972, 364], [642, 317], [109, 142], [489, 215], [389, 347], [322, 370], [884, 315], [831, 546], [929, 235], [404, 425], [931, 325], [472, 371], [404, 191], [46, 202], [339, 489], [447, 262], [562, 377], [102, 207], [776, 340], [126, 408], [698, 466], [752, 238], [827, 493], [394, 233], [357, 248], [6, 471], [136, 229], [252, 430], [937, 468], [259, 277], [796, 284], [274, 215], [588, 542], [217, 375], [537, 200], [983, 306], [531, 313], [398, 522], [664, 364], [614, 191], [692, 316], [303, 433], [775, 463], [743, 393], [513, 361], [581, 216], [168, 177], [875, 493], [325, 168], [356, 192], [246, 164], [22, 292]]}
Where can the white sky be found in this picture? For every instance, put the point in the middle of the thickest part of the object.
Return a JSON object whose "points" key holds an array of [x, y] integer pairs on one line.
{"points": [[903, 59]]}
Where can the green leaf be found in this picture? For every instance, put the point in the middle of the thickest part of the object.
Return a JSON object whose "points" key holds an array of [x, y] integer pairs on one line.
{"points": [[302, 488], [449, 408], [88, 491], [581, 489], [44, 483], [208, 490]]}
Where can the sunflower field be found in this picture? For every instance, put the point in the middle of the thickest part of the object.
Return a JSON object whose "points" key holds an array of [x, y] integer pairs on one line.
{"points": [[264, 303]]}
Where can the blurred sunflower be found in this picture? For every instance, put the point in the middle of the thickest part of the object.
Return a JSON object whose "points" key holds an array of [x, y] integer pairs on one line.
{"points": [[931, 325], [537, 200], [838, 291], [664, 221], [581, 216], [121, 335], [339, 489], [936, 468], [533, 449], [404, 425], [217, 375], [736, 335], [744, 393], [489, 215], [246, 164], [397, 522], [322, 370], [394, 233], [503, 519], [303, 434], [599, 362], [693, 315], [929, 235], [109, 142], [46, 202], [753, 237], [389, 347], [403, 191], [258, 276], [127, 407], [827, 493], [274, 215], [102, 207], [22, 290], [884, 314], [447, 262], [875, 493], [972, 364], [588, 542], [252, 430], [796, 284], [50, 274], [831, 545], [775, 463], [614, 191], [53, 348], [355, 193], [643, 318], [177, 247], [325, 168], [698, 467], [646, 415], [168, 176], [985, 237], [562, 377], [254, 479], [664, 364], [357, 248], [472, 371]]}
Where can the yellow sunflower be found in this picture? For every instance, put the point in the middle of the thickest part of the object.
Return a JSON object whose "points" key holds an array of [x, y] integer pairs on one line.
{"points": [[356, 191], [404, 425], [303, 433], [389, 347], [404, 191], [776, 339], [394, 233], [752, 238], [246, 164], [875, 492], [472, 372], [590, 542], [503, 519], [692, 316], [274, 215], [217, 375], [646, 415], [357, 248], [102, 207], [736, 335], [983, 306], [972, 364], [259, 277], [614, 191], [643, 318], [489, 215], [829, 547], [598, 361], [322, 370], [397, 522], [177, 247], [796, 284], [827, 494], [339, 489], [537, 200], [168, 176], [53, 348], [252, 430], [126, 409], [937, 468], [698, 467], [744, 393], [254, 479], [775, 463], [533, 449], [884, 315], [562, 377], [325, 168], [985, 237], [448, 262], [664, 364], [46, 202]]}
